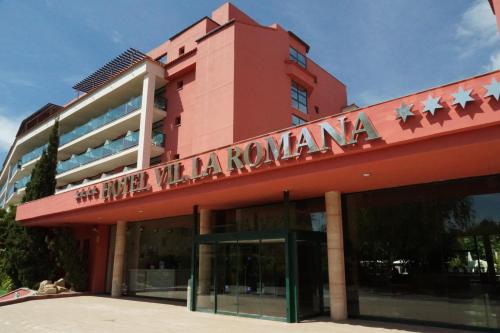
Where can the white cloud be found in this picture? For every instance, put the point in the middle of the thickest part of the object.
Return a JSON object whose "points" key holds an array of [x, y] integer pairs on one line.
{"points": [[8, 130], [494, 62], [116, 37], [477, 28]]}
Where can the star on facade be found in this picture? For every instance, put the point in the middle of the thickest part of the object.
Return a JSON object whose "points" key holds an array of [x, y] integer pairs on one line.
{"points": [[431, 104], [462, 97], [493, 89], [404, 111]]}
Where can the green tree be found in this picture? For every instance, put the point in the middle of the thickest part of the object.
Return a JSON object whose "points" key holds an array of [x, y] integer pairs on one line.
{"points": [[34, 254], [43, 176], [26, 258]]}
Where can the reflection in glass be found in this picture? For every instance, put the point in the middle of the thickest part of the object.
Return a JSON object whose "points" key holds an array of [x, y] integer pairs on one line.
{"points": [[428, 252], [273, 265], [308, 215], [158, 257], [256, 218], [309, 279], [227, 277], [249, 277], [205, 292]]}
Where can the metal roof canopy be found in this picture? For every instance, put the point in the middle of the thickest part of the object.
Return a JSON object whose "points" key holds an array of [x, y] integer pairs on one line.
{"points": [[119, 64]]}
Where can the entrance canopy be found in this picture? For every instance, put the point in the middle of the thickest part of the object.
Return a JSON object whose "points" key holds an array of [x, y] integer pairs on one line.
{"points": [[443, 133]]}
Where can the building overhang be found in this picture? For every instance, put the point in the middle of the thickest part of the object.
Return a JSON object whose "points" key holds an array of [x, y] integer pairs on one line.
{"points": [[378, 150]]}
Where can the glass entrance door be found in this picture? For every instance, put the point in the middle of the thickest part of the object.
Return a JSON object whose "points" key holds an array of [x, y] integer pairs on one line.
{"points": [[248, 276], [311, 276]]}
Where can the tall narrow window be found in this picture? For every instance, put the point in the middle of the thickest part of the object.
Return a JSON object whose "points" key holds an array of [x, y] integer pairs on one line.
{"points": [[298, 57], [182, 50], [299, 97]]}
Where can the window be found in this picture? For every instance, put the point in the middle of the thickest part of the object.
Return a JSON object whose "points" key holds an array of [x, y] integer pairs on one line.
{"points": [[426, 246], [178, 121], [297, 121], [162, 58], [316, 109], [177, 156], [182, 50], [298, 57], [180, 85], [299, 97]]}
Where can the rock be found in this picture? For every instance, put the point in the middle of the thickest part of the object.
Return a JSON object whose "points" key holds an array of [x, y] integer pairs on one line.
{"points": [[43, 284], [48, 289], [60, 283], [61, 289]]}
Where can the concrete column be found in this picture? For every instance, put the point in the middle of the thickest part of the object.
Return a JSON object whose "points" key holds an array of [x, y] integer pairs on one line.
{"points": [[120, 239], [146, 122], [205, 254], [336, 267]]}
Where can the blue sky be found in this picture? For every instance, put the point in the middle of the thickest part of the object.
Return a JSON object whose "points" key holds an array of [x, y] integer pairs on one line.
{"points": [[380, 49]]}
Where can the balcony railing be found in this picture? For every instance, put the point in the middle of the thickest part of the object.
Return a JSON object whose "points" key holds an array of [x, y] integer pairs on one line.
{"points": [[2, 188], [13, 169], [104, 119], [158, 139], [100, 121], [91, 155], [34, 154], [109, 148], [22, 182], [11, 191]]}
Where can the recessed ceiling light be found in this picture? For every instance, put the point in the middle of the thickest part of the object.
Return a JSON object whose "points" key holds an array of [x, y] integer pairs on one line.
{"points": [[366, 174], [140, 211]]}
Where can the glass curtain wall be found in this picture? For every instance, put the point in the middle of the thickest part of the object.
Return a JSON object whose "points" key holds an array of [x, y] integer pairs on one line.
{"points": [[158, 258], [250, 259], [427, 253], [248, 278]]}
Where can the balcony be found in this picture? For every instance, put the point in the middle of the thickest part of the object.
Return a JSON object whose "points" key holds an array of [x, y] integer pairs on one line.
{"points": [[2, 188], [91, 155], [13, 193], [102, 120], [21, 183], [13, 170], [32, 155], [114, 122], [109, 156]]}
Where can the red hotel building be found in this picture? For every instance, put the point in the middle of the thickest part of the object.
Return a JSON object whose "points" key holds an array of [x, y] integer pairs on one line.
{"points": [[225, 169]]}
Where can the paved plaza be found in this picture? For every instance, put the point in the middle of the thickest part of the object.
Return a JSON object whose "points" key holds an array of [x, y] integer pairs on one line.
{"points": [[104, 314]]}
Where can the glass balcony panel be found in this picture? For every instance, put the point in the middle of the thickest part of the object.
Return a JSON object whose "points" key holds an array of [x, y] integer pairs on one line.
{"points": [[106, 150], [35, 153], [22, 182], [106, 118], [11, 191], [158, 139]]}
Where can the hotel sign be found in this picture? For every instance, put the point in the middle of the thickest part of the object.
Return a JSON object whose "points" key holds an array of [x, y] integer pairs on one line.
{"points": [[255, 154]]}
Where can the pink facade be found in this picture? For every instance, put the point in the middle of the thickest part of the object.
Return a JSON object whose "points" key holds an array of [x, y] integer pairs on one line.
{"points": [[233, 69], [230, 143]]}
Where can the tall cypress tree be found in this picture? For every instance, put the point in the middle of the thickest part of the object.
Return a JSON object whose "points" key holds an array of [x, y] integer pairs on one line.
{"points": [[34, 254], [43, 176]]}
